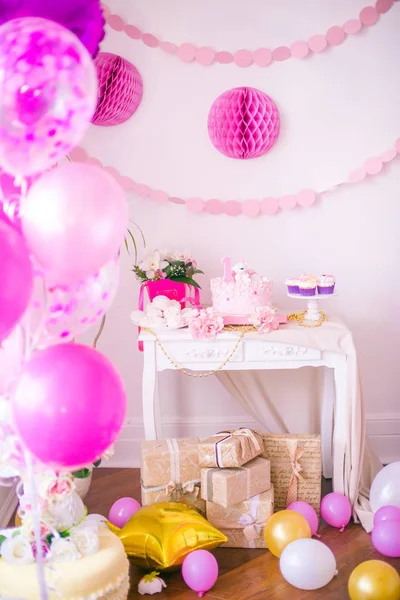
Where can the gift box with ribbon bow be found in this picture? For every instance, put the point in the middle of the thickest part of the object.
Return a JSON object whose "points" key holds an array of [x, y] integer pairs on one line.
{"points": [[170, 472], [227, 487], [230, 449], [296, 468], [243, 524]]}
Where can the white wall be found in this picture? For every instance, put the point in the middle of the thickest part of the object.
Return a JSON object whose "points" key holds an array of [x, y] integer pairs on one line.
{"points": [[337, 109]]}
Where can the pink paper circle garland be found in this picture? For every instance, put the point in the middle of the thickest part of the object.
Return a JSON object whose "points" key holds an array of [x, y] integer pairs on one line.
{"points": [[251, 208], [262, 57], [120, 89], [243, 123]]}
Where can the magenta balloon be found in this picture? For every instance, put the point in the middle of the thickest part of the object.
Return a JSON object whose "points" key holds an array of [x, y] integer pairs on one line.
{"points": [[48, 94], [74, 219], [200, 571], [336, 510], [308, 512], [122, 510], [387, 513], [16, 278], [69, 405], [386, 538]]}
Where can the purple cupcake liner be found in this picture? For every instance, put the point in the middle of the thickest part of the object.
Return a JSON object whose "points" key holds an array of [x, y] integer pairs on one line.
{"points": [[307, 291], [325, 290], [293, 289]]}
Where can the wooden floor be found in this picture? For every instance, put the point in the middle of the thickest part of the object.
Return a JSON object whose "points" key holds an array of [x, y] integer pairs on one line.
{"points": [[244, 574]]}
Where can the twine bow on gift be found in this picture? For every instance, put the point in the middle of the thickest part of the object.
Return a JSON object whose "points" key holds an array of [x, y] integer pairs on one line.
{"points": [[251, 527], [242, 435], [295, 454], [175, 490]]}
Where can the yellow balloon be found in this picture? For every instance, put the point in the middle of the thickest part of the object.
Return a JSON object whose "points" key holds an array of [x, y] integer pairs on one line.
{"points": [[159, 536], [284, 527], [374, 580]]}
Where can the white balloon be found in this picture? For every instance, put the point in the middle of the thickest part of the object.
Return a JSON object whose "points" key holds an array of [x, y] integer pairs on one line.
{"points": [[98, 519], [308, 564], [385, 489]]}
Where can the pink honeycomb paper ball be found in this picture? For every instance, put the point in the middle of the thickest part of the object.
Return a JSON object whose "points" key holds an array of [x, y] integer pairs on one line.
{"points": [[243, 123], [120, 89]]}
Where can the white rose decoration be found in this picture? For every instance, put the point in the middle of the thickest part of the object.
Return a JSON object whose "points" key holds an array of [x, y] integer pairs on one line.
{"points": [[86, 538], [64, 550], [172, 311], [17, 551], [153, 312]]}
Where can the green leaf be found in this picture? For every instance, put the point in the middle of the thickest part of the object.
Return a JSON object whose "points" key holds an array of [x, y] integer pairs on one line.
{"points": [[2, 539], [49, 538], [198, 271], [134, 244], [65, 534], [97, 463], [81, 474], [141, 233], [126, 245], [16, 532], [187, 280]]}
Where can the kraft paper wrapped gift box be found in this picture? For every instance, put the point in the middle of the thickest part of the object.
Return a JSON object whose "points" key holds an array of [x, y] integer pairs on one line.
{"points": [[230, 448], [170, 471], [227, 487], [243, 524], [296, 468]]}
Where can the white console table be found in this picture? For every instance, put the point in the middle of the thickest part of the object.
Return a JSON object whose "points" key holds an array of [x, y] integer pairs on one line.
{"points": [[255, 352]]}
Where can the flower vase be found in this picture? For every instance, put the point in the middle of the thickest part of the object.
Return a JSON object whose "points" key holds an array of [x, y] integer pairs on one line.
{"points": [[82, 486], [174, 290]]}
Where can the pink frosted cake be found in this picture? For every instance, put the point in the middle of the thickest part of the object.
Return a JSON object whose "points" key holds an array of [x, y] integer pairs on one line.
{"points": [[239, 292]]}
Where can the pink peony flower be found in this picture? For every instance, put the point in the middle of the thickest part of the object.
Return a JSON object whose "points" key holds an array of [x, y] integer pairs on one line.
{"points": [[264, 319], [205, 324], [59, 487]]}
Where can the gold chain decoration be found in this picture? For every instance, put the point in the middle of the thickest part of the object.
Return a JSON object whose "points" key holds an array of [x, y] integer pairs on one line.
{"points": [[300, 318], [207, 373]]}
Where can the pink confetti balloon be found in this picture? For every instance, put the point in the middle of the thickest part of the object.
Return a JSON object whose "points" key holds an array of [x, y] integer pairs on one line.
{"points": [[200, 571], [16, 278], [61, 312], [74, 219], [48, 94], [69, 405], [122, 510]]}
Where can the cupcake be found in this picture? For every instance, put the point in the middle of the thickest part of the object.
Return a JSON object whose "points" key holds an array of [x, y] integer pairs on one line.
{"points": [[326, 284], [292, 285], [307, 285]]}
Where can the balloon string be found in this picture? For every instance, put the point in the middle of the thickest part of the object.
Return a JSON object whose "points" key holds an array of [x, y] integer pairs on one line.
{"points": [[32, 482]]}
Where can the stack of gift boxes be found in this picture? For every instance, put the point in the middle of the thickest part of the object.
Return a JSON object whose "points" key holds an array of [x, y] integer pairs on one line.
{"points": [[236, 479]]}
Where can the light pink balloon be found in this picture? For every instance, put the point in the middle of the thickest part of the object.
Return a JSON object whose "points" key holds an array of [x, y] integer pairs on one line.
{"points": [[48, 94], [74, 219], [386, 538], [69, 405], [16, 278], [200, 571], [308, 512]]}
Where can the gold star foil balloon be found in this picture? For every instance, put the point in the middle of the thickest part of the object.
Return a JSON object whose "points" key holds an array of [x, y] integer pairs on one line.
{"points": [[161, 535]]}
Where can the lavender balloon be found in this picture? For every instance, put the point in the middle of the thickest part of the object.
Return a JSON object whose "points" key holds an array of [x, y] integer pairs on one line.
{"points": [[386, 538], [200, 571], [308, 512], [122, 510], [83, 17], [336, 510], [48, 94], [386, 513], [16, 281]]}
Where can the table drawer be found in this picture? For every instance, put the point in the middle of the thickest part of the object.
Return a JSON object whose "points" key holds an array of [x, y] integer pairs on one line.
{"points": [[271, 351], [202, 352]]}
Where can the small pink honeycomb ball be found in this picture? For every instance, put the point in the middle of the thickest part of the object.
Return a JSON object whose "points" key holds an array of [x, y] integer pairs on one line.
{"points": [[243, 123]]}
